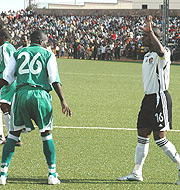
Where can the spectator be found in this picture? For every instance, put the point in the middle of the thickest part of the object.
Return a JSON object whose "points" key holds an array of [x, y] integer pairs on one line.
{"points": [[82, 52], [99, 52], [78, 29], [70, 52], [57, 50], [117, 52], [24, 41], [103, 51], [141, 52], [108, 50], [62, 49]]}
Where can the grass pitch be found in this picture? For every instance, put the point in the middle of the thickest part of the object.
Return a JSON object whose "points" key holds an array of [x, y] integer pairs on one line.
{"points": [[98, 143]]}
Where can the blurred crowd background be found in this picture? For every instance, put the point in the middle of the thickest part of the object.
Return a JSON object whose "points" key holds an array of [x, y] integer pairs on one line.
{"points": [[90, 37]]}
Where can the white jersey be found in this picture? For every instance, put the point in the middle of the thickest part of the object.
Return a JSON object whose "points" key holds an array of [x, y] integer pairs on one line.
{"points": [[156, 69]]}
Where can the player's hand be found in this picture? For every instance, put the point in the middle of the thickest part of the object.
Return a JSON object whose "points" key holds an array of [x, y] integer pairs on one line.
{"points": [[147, 28], [65, 109]]}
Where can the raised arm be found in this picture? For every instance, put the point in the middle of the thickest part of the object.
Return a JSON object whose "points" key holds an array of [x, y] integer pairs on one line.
{"points": [[157, 46]]}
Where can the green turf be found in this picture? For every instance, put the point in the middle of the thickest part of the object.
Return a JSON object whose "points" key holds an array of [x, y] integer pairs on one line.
{"points": [[100, 94]]}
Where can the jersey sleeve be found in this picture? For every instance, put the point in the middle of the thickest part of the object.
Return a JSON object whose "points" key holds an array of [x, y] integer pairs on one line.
{"points": [[7, 53], [5, 59], [166, 59], [9, 72], [53, 70]]}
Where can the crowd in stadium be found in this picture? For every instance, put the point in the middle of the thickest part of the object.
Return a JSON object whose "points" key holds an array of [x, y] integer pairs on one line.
{"points": [[90, 37]]}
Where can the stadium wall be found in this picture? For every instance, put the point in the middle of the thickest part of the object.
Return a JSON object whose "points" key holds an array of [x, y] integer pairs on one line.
{"points": [[92, 5], [109, 12]]}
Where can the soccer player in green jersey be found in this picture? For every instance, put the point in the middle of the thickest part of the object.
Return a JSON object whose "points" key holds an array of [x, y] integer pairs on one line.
{"points": [[7, 92], [36, 73]]}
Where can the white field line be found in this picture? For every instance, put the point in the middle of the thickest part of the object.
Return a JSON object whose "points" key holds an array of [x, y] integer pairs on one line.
{"points": [[97, 74], [105, 74], [102, 128]]}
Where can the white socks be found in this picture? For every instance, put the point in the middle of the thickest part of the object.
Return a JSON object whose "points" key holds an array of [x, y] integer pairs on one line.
{"points": [[7, 121], [142, 149], [1, 125], [169, 149]]}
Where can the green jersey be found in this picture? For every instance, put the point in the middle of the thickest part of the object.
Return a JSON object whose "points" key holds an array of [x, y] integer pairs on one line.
{"points": [[7, 92], [34, 66]]}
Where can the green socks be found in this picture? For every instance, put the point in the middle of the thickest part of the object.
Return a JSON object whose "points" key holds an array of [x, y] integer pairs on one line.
{"points": [[8, 151], [48, 148], [49, 152]]}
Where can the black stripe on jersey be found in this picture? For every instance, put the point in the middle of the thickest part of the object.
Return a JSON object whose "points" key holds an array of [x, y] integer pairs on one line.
{"points": [[164, 67], [157, 72], [164, 107], [165, 82], [164, 75]]}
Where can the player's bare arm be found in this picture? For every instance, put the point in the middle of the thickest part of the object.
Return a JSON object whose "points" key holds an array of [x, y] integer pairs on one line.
{"points": [[65, 108], [157, 46]]}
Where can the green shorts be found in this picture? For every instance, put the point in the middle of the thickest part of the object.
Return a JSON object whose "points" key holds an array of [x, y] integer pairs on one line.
{"points": [[7, 93], [31, 104]]}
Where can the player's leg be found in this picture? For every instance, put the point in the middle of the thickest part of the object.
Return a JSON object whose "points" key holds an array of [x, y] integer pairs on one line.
{"points": [[8, 151], [144, 130], [168, 148], [142, 149], [49, 152], [164, 113], [6, 108], [44, 119], [7, 94], [2, 138], [141, 153]]}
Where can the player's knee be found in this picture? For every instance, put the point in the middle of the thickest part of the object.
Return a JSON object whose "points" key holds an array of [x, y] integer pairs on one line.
{"points": [[159, 135], [5, 108], [15, 133]]}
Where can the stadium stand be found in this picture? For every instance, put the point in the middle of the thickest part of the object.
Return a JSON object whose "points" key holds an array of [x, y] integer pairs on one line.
{"points": [[88, 37]]}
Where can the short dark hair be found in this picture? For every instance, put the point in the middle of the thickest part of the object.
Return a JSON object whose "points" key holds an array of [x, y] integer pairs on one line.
{"points": [[5, 33], [157, 32], [37, 36]]}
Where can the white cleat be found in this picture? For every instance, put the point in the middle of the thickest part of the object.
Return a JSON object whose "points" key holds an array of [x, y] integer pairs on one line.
{"points": [[53, 180], [131, 177], [3, 180]]}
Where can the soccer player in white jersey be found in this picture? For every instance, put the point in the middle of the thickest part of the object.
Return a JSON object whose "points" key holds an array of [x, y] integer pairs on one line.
{"points": [[156, 110], [7, 92], [36, 71]]}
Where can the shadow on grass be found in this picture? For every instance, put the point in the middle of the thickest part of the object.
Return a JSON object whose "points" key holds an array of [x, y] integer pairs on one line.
{"points": [[85, 181], [33, 180], [108, 181]]}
